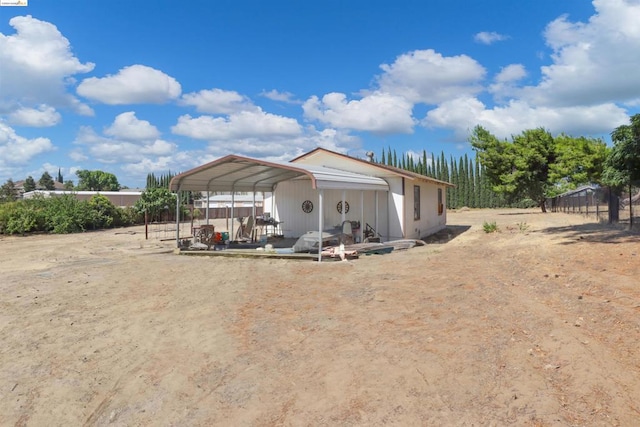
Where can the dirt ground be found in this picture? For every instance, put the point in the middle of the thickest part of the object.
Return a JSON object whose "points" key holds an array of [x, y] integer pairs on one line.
{"points": [[536, 325]]}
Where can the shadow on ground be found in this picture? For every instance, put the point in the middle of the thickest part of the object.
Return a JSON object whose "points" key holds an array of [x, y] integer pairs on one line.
{"points": [[528, 212], [447, 234], [594, 232]]}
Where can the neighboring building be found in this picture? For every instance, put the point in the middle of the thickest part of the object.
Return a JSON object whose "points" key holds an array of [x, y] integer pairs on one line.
{"points": [[20, 187], [220, 204], [121, 199]]}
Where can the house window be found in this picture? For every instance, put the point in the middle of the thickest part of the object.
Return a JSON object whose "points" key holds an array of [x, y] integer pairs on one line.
{"points": [[416, 202], [440, 204]]}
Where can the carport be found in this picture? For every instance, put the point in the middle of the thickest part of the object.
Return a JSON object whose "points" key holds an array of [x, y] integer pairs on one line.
{"points": [[234, 173]]}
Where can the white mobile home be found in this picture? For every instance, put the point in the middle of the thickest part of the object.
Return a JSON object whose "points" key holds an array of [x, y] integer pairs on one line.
{"points": [[322, 189]]}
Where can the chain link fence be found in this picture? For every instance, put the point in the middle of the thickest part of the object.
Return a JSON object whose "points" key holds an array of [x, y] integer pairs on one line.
{"points": [[602, 204]]}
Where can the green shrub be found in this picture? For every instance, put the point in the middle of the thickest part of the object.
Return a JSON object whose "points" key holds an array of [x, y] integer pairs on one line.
{"points": [[490, 227], [66, 214]]}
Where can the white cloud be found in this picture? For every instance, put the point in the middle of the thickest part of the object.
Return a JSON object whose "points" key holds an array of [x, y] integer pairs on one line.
{"points": [[275, 95], [425, 76], [128, 127], [378, 112], [17, 150], [135, 84], [463, 114], [118, 151], [36, 63], [505, 81], [245, 124], [218, 101], [486, 37], [593, 62], [43, 116]]}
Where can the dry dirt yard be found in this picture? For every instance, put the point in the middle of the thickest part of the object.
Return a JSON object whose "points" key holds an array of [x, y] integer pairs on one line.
{"points": [[536, 325]]}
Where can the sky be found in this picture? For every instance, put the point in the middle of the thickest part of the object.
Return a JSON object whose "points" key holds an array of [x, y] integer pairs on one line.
{"points": [[140, 86]]}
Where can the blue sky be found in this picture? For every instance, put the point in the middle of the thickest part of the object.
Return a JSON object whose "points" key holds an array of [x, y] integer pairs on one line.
{"points": [[132, 87]]}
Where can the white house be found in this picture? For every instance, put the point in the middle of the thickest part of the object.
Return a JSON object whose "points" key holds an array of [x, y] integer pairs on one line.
{"points": [[412, 207], [321, 189]]}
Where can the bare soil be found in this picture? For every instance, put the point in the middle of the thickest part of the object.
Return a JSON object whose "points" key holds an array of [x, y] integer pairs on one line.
{"points": [[535, 325]]}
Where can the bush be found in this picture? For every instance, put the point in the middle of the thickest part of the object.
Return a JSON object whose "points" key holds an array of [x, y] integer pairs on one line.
{"points": [[490, 227], [20, 217], [63, 214], [104, 214], [66, 214]]}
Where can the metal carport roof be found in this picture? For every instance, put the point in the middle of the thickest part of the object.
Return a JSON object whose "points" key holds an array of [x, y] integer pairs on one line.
{"points": [[237, 173]]}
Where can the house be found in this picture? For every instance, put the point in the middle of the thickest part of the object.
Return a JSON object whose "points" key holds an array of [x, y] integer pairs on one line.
{"points": [[321, 189], [413, 207]]}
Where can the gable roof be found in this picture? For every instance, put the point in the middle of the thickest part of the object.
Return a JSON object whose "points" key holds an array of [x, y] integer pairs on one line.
{"points": [[384, 170], [238, 173]]}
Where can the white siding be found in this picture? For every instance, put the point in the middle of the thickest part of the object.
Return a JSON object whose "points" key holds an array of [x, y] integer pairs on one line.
{"points": [[290, 195], [430, 221]]}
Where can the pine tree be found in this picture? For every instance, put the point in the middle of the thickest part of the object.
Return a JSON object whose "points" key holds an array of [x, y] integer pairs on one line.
{"points": [[383, 159], [60, 179], [46, 181], [29, 184]]}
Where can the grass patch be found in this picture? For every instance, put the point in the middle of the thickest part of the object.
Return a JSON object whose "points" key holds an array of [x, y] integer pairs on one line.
{"points": [[490, 227]]}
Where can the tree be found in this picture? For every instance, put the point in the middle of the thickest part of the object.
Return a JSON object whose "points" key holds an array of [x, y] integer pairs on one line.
{"points": [[156, 201], [29, 184], [46, 181], [97, 181], [60, 179], [622, 166], [517, 169], [68, 185], [8, 191], [578, 161]]}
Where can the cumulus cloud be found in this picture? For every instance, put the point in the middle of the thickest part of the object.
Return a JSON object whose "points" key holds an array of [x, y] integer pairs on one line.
{"points": [[43, 116], [245, 124], [17, 150], [593, 62], [505, 82], [128, 127], [425, 76], [486, 37], [135, 84], [218, 101], [36, 63], [378, 112], [463, 114], [275, 95], [105, 149]]}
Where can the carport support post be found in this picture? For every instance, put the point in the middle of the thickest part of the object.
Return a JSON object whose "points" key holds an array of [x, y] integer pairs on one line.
{"points": [[343, 214], [233, 205], [361, 216], [208, 206], [178, 218], [320, 224]]}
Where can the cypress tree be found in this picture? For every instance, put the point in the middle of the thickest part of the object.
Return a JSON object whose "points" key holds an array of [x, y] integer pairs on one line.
{"points": [[452, 193]]}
